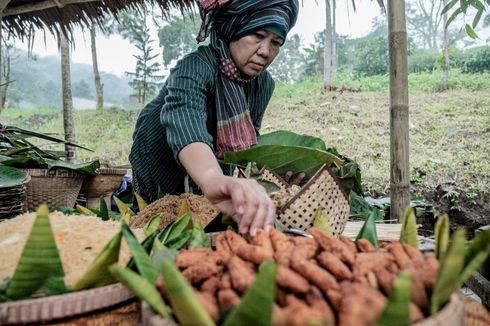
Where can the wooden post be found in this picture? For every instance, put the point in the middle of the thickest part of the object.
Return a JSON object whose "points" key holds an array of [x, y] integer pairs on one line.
{"points": [[68, 124], [399, 140], [327, 53]]}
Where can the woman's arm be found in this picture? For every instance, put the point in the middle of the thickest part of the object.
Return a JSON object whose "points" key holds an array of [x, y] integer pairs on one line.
{"points": [[243, 199]]}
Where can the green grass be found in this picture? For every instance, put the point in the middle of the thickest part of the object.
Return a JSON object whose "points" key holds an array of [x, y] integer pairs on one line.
{"points": [[449, 131]]}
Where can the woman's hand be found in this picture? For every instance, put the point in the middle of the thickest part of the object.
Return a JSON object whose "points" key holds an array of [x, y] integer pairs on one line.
{"points": [[244, 200]]}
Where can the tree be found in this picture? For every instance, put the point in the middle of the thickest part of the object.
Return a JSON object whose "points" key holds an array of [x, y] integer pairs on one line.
{"points": [[445, 49], [334, 36], [425, 21], [68, 124], [327, 57], [463, 8], [99, 87], [289, 64]]}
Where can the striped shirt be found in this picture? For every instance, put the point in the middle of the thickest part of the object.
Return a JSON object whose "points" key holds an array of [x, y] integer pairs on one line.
{"points": [[184, 112]]}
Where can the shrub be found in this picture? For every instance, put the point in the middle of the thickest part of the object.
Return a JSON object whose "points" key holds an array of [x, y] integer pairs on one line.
{"points": [[421, 61]]}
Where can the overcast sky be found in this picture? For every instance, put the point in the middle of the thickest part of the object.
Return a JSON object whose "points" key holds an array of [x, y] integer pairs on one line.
{"points": [[115, 55]]}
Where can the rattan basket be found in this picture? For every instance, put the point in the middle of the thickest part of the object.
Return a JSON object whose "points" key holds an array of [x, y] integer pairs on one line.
{"points": [[62, 306], [54, 188], [323, 190]]}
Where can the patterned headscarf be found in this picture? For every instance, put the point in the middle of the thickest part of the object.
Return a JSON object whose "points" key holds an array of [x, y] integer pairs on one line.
{"points": [[228, 20]]}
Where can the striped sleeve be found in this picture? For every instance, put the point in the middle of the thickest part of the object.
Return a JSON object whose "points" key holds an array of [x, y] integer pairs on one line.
{"points": [[184, 113]]}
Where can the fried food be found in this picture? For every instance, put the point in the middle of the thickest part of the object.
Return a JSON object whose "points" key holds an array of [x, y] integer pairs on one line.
{"points": [[401, 258], [334, 245], [201, 271], [187, 258], [254, 254], [209, 303], [228, 298], [289, 279], [210, 285], [223, 249], [315, 299], [412, 252], [263, 240], [361, 305], [349, 243], [370, 261], [314, 274], [241, 275], [365, 246], [334, 265]]}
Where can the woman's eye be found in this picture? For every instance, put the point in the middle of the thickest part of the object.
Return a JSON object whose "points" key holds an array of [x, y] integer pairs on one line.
{"points": [[259, 35], [277, 43]]}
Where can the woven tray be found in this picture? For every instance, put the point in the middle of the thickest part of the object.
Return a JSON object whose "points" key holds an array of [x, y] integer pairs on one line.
{"points": [[56, 189], [63, 306], [323, 190]]}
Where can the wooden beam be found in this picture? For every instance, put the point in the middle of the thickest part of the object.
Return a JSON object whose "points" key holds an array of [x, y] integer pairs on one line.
{"points": [[42, 5], [3, 4]]}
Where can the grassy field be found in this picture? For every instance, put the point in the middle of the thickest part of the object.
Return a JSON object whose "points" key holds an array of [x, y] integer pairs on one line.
{"points": [[449, 132]]}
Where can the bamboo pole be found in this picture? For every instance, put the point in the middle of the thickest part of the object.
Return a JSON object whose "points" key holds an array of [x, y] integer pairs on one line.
{"points": [[399, 130], [41, 5], [68, 123], [327, 53]]}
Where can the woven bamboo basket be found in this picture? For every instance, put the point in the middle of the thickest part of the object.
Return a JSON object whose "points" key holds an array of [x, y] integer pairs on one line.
{"points": [[103, 184], [56, 189], [62, 306], [323, 190]]}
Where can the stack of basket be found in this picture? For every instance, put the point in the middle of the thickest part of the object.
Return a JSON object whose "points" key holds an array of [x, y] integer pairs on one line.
{"points": [[13, 195]]}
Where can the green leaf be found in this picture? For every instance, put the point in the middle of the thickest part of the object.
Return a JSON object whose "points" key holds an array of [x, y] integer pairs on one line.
{"points": [[153, 224], [160, 193], [84, 210], [88, 168], [186, 305], [255, 307], [103, 210], [449, 272], [11, 177], [471, 33], [449, 6], [476, 254], [143, 289], [161, 253], [397, 310], [368, 230], [282, 159], [441, 231], [147, 244], [141, 258], [141, 202], [477, 18], [198, 238], [289, 138], [322, 221], [408, 234], [181, 224], [179, 241], [453, 16], [360, 208], [126, 212], [39, 268], [98, 273]]}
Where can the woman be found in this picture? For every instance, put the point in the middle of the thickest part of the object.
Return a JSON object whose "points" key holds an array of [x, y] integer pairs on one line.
{"points": [[212, 102]]}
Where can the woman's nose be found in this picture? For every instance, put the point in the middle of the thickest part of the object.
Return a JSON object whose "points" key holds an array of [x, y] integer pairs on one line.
{"points": [[264, 49]]}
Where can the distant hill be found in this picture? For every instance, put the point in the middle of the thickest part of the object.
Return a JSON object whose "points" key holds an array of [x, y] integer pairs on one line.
{"points": [[37, 82]]}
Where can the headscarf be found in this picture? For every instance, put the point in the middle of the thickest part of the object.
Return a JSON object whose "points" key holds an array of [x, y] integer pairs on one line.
{"points": [[228, 20]]}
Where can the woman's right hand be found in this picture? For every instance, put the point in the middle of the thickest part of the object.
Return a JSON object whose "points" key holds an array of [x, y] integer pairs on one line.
{"points": [[245, 200]]}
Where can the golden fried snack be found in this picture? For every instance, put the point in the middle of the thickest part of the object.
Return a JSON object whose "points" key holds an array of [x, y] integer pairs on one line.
{"points": [[334, 265], [201, 271], [315, 299], [291, 280], [187, 258], [280, 241], [349, 243], [314, 274], [262, 239], [304, 249], [365, 246], [335, 298], [209, 303], [299, 314], [412, 252], [279, 316], [401, 258], [385, 280], [210, 285], [418, 295], [225, 281], [223, 248], [228, 298], [370, 261], [241, 275], [361, 305], [234, 240], [334, 245], [254, 254], [428, 267], [281, 296]]}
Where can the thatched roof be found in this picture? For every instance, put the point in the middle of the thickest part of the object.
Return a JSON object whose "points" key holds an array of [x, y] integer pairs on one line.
{"points": [[21, 17]]}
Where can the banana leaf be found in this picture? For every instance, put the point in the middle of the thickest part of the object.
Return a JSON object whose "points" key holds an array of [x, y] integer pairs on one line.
{"points": [[198, 238], [179, 241], [476, 254], [322, 221], [103, 210], [282, 158], [397, 310], [153, 224], [451, 267], [255, 307], [160, 253], [141, 258], [11, 177], [288, 138], [141, 202], [186, 306], [441, 231], [360, 208], [50, 164], [143, 289], [39, 269], [408, 234], [147, 244], [184, 222], [368, 230], [98, 272]]}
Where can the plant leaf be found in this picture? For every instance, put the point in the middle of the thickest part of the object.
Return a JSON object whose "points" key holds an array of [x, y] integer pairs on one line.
{"points": [[471, 33], [397, 310], [141, 202], [368, 230], [98, 272], [282, 158], [126, 212], [289, 138], [408, 234], [441, 231], [186, 305], [103, 210], [449, 272], [198, 238], [184, 208], [153, 224], [476, 254], [181, 224], [322, 221], [141, 258], [160, 193], [11, 177], [255, 307], [143, 289], [39, 268], [179, 241], [147, 244], [84, 210]]}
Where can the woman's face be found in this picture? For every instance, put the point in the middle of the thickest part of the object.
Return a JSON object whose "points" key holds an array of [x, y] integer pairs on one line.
{"points": [[253, 53]]}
